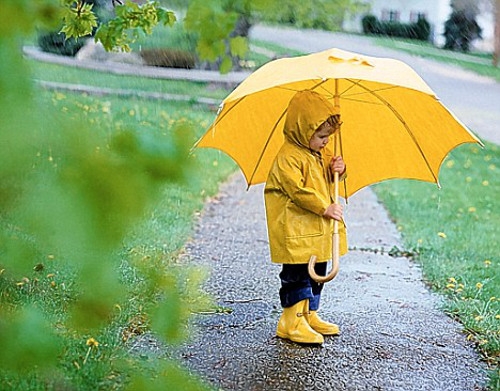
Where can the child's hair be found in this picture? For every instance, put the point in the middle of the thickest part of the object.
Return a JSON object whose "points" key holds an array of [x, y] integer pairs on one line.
{"points": [[334, 120]]}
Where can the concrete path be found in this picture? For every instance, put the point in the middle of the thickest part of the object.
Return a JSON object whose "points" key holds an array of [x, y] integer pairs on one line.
{"points": [[152, 72], [394, 337]]}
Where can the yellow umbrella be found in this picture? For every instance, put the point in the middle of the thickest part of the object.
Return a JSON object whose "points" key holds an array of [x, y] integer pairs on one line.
{"points": [[394, 126]]}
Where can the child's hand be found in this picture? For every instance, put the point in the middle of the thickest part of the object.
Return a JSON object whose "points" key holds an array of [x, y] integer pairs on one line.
{"points": [[334, 211], [337, 165]]}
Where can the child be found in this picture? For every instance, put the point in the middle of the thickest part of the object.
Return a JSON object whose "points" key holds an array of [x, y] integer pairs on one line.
{"points": [[299, 211]]}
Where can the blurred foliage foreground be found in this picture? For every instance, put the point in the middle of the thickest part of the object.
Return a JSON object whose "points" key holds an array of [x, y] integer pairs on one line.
{"points": [[77, 276]]}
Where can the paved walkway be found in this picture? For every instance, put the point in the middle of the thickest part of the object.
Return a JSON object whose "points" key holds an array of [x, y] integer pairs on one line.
{"points": [[394, 336], [131, 69]]}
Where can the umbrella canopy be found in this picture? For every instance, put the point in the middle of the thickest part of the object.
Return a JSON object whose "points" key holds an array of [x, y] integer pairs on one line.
{"points": [[394, 126]]}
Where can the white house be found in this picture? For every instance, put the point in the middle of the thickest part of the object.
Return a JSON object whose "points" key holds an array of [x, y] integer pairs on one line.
{"points": [[435, 11]]}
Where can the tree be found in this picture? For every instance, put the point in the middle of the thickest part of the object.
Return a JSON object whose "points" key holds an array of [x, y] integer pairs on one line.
{"points": [[461, 28], [222, 29], [492, 6], [496, 51]]}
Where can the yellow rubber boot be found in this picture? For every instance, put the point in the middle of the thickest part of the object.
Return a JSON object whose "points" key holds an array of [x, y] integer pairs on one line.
{"points": [[319, 325], [293, 325]]}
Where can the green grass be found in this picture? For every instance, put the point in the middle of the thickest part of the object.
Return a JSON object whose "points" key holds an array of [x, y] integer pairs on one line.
{"points": [[167, 37], [149, 255], [61, 74], [478, 62], [277, 49], [455, 231]]}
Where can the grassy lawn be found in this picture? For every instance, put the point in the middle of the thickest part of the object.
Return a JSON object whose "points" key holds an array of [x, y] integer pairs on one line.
{"points": [[62, 74], [101, 360], [455, 230]]}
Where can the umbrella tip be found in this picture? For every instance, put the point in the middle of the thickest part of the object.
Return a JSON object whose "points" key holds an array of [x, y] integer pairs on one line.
{"points": [[221, 107]]}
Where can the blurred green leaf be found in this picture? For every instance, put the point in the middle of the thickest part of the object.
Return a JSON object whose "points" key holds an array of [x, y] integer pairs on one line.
{"points": [[168, 319], [132, 18], [79, 20], [238, 46], [169, 376], [28, 341], [226, 65]]}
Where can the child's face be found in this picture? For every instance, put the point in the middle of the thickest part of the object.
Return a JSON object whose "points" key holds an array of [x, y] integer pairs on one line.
{"points": [[321, 137]]}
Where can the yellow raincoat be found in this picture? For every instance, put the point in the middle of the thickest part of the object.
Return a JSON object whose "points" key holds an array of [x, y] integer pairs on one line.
{"points": [[297, 192]]}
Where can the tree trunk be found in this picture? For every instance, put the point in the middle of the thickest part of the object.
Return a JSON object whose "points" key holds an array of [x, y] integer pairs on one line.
{"points": [[496, 50]]}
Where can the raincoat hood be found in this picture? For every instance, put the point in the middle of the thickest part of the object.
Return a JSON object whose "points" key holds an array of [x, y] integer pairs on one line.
{"points": [[306, 112]]}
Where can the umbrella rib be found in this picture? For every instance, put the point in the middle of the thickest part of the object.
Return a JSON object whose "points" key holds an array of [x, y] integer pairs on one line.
{"points": [[218, 119], [362, 101], [259, 160], [296, 90], [349, 97], [323, 81], [403, 122], [345, 96]]}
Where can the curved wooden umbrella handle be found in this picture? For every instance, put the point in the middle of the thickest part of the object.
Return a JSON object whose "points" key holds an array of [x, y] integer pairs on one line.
{"points": [[335, 263], [335, 245]]}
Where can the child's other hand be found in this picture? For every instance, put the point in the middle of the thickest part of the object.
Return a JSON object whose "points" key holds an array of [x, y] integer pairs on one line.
{"points": [[334, 211], [337, 165]]}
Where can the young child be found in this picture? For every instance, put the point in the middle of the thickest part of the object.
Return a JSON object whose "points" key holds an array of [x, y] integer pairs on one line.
{"points": [[299, 210]]}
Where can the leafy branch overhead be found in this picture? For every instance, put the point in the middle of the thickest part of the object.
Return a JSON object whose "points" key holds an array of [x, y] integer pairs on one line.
{"points": [[130, 19], [79, 19], [221, 26]]}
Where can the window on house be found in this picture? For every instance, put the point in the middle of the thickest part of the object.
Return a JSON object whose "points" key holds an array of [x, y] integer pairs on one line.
{"points": [[390, 15], [416, 15]]}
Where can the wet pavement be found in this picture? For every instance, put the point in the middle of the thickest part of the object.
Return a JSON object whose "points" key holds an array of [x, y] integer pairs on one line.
{"points": [[393, 335]]}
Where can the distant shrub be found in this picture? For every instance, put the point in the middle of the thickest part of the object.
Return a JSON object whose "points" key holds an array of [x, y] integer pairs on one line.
{"points": [[369, 24], [169, 58], [460, 30], [55, 42], [419, 30], [422, 29]]}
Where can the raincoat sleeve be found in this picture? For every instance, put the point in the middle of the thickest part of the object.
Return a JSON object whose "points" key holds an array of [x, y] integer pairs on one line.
{"points": [[296, 179]]}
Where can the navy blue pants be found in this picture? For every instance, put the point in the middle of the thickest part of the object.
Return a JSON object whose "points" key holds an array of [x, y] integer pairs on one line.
{"points": [[297, 285]]}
